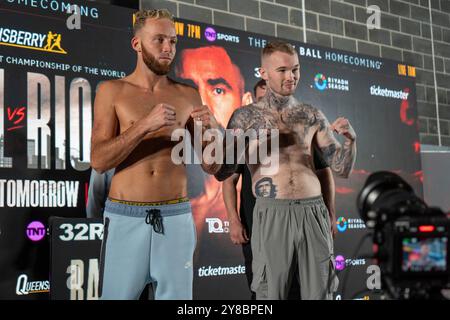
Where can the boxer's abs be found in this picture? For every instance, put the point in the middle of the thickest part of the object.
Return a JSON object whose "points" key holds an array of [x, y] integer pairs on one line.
{"points": [[149, 181]]}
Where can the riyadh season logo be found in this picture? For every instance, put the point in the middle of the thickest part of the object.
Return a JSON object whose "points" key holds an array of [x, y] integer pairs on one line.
{"points": [[341, 224], [36, 231], [346, 224], [322, 82]]}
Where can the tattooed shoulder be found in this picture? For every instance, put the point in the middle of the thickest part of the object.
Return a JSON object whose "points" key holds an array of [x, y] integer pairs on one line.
{"points": [[240, 118], [303, 114], [252, 116]]}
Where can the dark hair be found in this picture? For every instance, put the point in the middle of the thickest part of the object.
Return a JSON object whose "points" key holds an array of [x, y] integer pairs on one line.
{"points": [[260, 83]]}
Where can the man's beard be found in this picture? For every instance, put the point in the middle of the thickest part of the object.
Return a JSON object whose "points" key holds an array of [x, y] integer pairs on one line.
{"points": [[153, 64]]}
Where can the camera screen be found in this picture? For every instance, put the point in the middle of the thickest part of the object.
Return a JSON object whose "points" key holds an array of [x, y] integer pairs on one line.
{"points": [[424, 255]]}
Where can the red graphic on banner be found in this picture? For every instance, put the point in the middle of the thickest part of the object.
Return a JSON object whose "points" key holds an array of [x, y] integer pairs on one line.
{"points": [[419, 174], [16, 116], [86, 192], [416, 147], [403, 111], [344, 190]]}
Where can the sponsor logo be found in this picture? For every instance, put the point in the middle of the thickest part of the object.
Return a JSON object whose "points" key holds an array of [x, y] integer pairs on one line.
{"points": [[341, 224], [322, 82], [25, 287], [388, 93], [36, 231], [211, 35], [210, 271], [346, 224], [341, 263], [215, 225], [50, 42]]}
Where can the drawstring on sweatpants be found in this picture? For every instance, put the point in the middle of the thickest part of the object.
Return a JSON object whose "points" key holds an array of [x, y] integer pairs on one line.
{"points": [[154, 219]]}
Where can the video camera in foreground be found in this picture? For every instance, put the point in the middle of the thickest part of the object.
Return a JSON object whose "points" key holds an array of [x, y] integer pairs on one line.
{"points": [[412, 238]]}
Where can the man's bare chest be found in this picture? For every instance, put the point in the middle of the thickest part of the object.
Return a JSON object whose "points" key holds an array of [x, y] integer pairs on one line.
{"points": [[133, 107]]}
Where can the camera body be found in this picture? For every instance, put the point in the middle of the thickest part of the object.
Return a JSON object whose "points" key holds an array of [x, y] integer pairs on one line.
{"points": [[414, 250], [412, 238]]}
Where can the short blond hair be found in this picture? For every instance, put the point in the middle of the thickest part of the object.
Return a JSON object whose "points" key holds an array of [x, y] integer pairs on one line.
{"points": [[277, 45], [141, 16]]}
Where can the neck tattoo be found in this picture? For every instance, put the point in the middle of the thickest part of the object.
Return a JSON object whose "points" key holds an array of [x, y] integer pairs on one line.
{"points": [[275, 101]]}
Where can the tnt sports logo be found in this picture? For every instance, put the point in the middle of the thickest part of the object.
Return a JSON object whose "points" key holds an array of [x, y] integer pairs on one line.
{"points": [[320, 82], [341, 224], [50, 42], [210, 34], [323, 82], [340, 263], [36, 231], [216, 225]]}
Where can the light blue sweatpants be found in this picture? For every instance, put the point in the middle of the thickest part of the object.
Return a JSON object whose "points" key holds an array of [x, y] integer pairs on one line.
{"points": [[147, 244]]}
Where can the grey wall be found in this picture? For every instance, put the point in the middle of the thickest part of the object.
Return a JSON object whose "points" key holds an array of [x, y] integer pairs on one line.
{"points": [[405, 35]]}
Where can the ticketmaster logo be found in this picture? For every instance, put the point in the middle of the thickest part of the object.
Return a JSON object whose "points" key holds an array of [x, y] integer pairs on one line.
{"points": [[220, 271], [387, 93]]}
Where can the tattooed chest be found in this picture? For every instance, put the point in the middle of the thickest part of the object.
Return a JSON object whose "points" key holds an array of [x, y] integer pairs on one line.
{"points": [[299, 122]]}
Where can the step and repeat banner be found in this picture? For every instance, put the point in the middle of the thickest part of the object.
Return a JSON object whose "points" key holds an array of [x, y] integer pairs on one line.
{"points": [[48, 78]]}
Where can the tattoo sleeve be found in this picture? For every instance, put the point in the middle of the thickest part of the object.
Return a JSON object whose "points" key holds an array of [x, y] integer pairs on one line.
{"points": [[340, 158], [231, 155]]}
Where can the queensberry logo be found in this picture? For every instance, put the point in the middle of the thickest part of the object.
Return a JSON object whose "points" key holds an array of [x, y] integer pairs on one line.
{"points": [[25, 287], [50, 42]]}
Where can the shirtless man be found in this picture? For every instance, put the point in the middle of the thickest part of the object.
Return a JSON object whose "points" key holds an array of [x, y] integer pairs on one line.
{"points": [[291, 225], [149, 234]]}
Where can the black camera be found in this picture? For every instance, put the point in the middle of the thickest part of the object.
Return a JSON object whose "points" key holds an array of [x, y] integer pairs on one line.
{"points": [[412, 238]]}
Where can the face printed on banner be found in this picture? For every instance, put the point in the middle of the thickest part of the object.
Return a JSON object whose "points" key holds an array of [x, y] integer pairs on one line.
{"points": [[282, 72], [156, 43], [219, 81]]}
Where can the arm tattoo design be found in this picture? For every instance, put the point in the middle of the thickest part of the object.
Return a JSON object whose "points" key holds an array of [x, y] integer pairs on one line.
{"points": [[341, 159]]}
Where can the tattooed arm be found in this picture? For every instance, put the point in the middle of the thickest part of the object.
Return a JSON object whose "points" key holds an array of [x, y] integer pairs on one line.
{"points": [[341, 158], [239, 123]]}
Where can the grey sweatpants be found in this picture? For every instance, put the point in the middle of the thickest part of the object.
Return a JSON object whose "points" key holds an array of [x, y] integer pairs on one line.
{"points": [[287, 234]]}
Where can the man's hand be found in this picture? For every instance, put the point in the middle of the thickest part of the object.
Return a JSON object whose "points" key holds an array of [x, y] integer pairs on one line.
{"points": [[204, 115], [334, 229], [162, 115], [238, 234], [343, 126]]}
